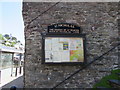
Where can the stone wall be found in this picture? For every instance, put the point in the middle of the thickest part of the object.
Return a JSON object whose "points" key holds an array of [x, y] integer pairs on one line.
{"points": [[97, 20]]}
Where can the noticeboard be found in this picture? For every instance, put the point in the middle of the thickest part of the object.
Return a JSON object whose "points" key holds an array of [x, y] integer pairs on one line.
{"points": [[61, 49], [63, 43]]}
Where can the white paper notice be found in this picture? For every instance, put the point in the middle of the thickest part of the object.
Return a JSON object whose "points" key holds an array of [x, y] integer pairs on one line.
{"points": [[57, 56], [64, 40], [48, 44], [48, 56], [55, 44], [81, 43], [66, 56], [60, 46], [55, 40], [72, 45], [75, 44]]}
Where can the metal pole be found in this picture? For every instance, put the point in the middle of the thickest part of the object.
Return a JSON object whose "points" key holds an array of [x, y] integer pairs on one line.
{"points": [[20, 62], [20, 69], [12, 64], [0, 65], [16, 72]]}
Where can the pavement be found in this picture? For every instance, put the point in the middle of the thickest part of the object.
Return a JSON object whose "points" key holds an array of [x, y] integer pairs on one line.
{"points": [[18, 83], [7, 80]]}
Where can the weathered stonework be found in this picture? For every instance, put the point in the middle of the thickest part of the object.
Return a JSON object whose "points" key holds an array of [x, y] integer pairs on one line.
{"points": [[97, 20]]}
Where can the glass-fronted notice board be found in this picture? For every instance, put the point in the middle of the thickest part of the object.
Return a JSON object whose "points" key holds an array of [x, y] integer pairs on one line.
{"points": [[64, 49]]}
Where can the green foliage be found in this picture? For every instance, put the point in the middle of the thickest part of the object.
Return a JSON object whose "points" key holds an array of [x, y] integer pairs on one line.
{"points": [[14, 38], [7, 36], [115, 71], [1, 37], [9, 40], [104, 81]]}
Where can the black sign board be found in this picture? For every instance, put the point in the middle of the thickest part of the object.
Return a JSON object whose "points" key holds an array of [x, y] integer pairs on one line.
{"points": [[64, 49], [63, 28]]}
